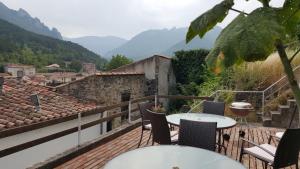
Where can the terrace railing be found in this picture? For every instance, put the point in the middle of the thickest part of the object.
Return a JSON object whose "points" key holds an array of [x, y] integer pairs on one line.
{"points": [[81, 126]]}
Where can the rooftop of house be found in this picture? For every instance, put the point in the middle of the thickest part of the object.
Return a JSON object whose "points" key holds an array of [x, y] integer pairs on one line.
{"points": [[139, 62], [19, 66], [17, 110]]}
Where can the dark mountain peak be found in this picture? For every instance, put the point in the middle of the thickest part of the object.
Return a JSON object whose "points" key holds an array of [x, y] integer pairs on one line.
{"points": [[162, 41], [14, 40], [23, 13], [24, 20]]}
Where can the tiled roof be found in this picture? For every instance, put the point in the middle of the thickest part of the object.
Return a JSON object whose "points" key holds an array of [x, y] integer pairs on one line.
{"points": [[19, 65], [17, 110], [118, 73]]}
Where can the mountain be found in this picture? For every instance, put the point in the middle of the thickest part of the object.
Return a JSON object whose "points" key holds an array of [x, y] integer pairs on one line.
{"points": [[163, 41], [22, 19], [149, 42], [99, 45], [206, 42], [21, 46]]}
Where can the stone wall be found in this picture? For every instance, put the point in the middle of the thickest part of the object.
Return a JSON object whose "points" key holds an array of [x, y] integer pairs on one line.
{"points": [[106, 90]]}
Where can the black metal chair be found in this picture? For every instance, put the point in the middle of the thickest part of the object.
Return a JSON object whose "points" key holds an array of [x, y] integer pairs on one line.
{"points": [[146, 125], [286, 153], [217, 108], [161, 133], [197, 134]]}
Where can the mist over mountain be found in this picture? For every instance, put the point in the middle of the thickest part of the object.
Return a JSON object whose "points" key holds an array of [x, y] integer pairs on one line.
{"points": [[99, 45], [149, 42], [206, 42], [162, 41], [22, 19]]}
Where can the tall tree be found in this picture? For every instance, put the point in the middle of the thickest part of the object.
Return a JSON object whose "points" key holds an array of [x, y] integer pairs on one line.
{"points": [[118, 61], [251, 37]]}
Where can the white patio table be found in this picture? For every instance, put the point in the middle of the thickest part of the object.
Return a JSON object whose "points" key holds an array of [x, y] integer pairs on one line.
{"points": [[172, 157]]}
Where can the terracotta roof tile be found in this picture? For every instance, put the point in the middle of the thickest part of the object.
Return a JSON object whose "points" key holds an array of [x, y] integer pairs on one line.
{"points": [[16, 108]]}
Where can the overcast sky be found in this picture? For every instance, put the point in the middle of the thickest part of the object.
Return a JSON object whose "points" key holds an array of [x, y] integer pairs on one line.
{"points": [[123, 18]]}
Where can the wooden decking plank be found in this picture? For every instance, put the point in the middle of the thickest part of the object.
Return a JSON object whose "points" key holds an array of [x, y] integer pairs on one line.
{"points": [[99, 156]]}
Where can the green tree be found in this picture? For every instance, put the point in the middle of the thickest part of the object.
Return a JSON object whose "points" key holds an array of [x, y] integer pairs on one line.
{"points": [[251, 37], [118, 61], [76, 65], [189, 66]]}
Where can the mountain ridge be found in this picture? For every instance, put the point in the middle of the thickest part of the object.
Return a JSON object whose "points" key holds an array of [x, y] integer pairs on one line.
{"points": [[98, 44], [24, 20], [163, 41], [18, 45]]}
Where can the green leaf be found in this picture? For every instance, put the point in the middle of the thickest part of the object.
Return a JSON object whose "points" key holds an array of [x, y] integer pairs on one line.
{"points": [[208, 20], [289, 15], [246, 38]]}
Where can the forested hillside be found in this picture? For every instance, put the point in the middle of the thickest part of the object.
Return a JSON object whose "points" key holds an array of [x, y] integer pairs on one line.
{"points": [[20, 46]]}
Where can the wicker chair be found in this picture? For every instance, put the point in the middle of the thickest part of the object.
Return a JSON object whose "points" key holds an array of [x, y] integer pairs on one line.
{"points": [[198, 134], [286, 154], [211, 107], [146, 126], [278, 135], [217, 108], [161, 133]]}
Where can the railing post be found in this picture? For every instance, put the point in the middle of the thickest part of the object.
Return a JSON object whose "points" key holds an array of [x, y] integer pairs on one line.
{"points": [[79, 130], [129, 111], [155, 100], [263, 103]]}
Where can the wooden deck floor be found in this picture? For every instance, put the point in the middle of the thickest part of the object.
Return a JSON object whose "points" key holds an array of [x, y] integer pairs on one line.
{"points": [[97, 157]]}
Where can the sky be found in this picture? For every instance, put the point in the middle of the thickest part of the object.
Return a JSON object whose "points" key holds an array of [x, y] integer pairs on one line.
{"points": [[122, 18]]}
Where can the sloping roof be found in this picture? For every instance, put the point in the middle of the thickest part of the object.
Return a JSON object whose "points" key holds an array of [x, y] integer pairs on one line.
{"points": [[19, 66], [139, 62], [17, 110]]}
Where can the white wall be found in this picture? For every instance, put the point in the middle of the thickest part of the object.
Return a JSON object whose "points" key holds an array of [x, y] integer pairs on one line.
{"points": [[39, 153]]}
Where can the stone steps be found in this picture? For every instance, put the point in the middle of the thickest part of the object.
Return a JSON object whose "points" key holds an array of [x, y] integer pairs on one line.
{"points": [[282, 116]]}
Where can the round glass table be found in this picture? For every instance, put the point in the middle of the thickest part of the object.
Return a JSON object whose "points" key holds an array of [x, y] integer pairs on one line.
{"points": [[222, 121], [172, 157]]}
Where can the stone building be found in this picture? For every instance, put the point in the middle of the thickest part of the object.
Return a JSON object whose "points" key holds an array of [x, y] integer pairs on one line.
{"points": [[23, 70], [89, 68], [107, 89], [158, 72]]}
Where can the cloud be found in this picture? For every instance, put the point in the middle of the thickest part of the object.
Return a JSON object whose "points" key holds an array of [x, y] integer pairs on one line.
{"points": [[124, 18]]}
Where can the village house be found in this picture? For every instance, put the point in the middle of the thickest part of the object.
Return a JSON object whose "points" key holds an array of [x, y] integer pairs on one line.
{"points": [[22, 70], [106, 89], [29, 111], [159, 74], [89, 68]]}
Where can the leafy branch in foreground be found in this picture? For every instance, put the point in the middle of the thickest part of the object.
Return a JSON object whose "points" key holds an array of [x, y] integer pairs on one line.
{"points": [[251, 37]]}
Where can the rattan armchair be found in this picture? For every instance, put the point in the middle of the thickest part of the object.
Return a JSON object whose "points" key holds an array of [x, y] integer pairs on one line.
{"points": [[146, 125], [197, 134], [161, 133], [284, 155]]}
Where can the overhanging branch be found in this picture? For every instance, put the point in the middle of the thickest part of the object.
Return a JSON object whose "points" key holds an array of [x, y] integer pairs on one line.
{"points": [[295, 54]]}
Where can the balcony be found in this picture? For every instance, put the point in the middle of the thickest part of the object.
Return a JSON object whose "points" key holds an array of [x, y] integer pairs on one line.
{"points": [[97, 152]]}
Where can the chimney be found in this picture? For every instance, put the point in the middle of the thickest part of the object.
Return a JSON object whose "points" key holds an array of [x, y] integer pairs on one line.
{"points": [[1, 85], [36, 102], [20, 74]]}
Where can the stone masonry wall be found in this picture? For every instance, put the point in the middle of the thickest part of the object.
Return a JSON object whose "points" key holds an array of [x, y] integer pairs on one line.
{"points": [[106, 90]]}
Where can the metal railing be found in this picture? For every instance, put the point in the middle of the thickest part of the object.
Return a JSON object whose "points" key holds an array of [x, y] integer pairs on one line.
{"points": [[265, 94]]}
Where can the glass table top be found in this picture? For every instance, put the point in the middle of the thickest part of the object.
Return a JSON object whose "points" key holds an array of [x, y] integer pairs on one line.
{"points": [[222, 121], [172, 157]]}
